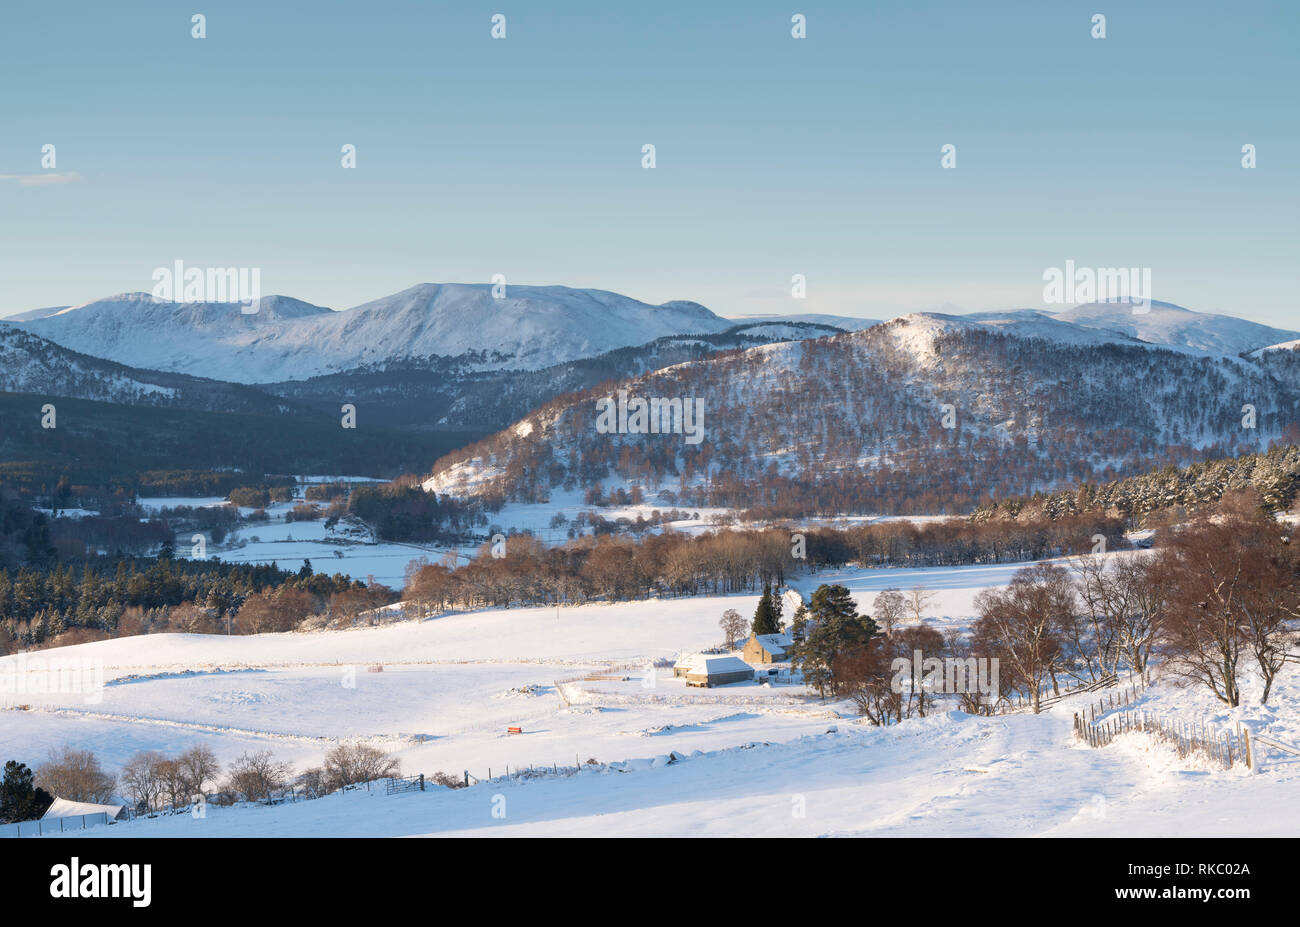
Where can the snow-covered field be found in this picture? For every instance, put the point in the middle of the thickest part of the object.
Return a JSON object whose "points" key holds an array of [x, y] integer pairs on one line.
{"points": [[746, 759], [289, 544]]}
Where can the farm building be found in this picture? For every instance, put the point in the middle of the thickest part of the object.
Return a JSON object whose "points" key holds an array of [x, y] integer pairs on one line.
{"points": [[767, 648], [709, 671], [64, 808]]}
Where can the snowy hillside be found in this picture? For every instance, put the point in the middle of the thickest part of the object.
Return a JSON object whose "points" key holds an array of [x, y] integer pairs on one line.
{"points": [[31, 314], [745, 759], [943, 408], [290, 339], [1283, 346], [1173, 325], [29, 364]]}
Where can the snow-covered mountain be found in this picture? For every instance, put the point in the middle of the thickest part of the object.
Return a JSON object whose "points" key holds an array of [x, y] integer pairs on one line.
{"points": [[1162, 324], [530, 327], [434, 393], [924, 412], [1022, 323], [31, 314], [1167, 324], [30, 364]]}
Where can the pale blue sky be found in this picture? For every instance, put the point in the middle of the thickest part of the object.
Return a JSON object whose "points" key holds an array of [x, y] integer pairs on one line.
{"points": [[775, 156]]}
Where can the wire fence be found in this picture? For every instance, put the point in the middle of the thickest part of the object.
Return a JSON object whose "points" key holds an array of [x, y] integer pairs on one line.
{"points": [[44, 826]]}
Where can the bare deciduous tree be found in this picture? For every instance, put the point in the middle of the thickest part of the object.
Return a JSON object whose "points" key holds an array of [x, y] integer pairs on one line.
{"points": [[1233, 590], [919, 599], [75, 775], [1023, 626], [888, 609], [140, 779], [198, 767], [733, 625]]}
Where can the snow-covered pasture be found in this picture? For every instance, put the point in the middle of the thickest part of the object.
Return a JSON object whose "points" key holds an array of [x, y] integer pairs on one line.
{"points": [[754, 759]]}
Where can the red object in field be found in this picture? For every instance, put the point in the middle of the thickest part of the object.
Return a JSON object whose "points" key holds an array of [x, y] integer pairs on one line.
{"points": [[514, 730]]}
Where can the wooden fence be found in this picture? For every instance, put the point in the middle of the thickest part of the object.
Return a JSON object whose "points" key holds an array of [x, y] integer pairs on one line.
{"points": [[1133, 684], [1190, 738]]}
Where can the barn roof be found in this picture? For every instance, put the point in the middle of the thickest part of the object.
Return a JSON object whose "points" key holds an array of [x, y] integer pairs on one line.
{"points": [[775, 643], [710, 665], [64, 808]]}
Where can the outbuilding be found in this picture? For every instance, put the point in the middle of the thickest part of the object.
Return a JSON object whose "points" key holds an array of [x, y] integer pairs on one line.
{"points": [[708, 671]]}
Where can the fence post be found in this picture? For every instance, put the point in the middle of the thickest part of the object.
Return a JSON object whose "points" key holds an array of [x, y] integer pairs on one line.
{"points": [[1250, 753], [421, 782]]}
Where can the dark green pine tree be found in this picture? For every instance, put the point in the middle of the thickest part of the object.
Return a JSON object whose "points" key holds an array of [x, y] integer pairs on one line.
{"points": [[19, 799], [766, 620], [833, 627]]}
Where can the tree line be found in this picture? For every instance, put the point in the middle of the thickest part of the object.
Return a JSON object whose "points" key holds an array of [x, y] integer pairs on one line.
{"points": [[153, 781], [110, 597], [523, 571], [1217, 600]]}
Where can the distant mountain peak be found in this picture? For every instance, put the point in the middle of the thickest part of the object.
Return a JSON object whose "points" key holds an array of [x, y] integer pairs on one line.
{"points": [[529, 328]]}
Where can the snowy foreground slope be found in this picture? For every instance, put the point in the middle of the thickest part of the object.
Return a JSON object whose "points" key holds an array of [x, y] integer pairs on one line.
{"points": [[747, 759]]}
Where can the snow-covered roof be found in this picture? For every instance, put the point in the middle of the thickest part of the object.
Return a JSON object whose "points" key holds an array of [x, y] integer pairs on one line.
{"points": [[64, 808], [711, 665], [775, 643]]}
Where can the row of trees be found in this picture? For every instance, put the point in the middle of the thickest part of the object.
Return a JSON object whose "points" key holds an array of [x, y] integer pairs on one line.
{"points": [[524, 571], [1217, 597], [1219, 594], [110, 596], [155, 781], [1274, 475]]}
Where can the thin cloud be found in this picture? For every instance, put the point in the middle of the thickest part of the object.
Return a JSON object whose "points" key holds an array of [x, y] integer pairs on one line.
{"points": [[43, 180]]}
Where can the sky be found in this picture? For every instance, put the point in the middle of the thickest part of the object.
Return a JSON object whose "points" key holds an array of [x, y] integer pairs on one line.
{"points": [[774, 156]]}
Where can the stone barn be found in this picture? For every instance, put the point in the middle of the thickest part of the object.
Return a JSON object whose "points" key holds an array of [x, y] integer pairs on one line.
{"points": [[767, 648]]}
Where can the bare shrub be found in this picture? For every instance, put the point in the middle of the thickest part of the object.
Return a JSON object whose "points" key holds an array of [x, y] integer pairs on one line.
{"points": [[257, 776], [348, 764], [446, 780]]}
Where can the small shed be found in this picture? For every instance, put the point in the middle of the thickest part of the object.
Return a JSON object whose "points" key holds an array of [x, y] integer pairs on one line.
{"points": [[65, 808], [708, 671], [767, 648]]}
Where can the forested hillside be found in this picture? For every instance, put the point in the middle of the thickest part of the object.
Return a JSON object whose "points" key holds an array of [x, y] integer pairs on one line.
{"points": [[921, 414]]}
